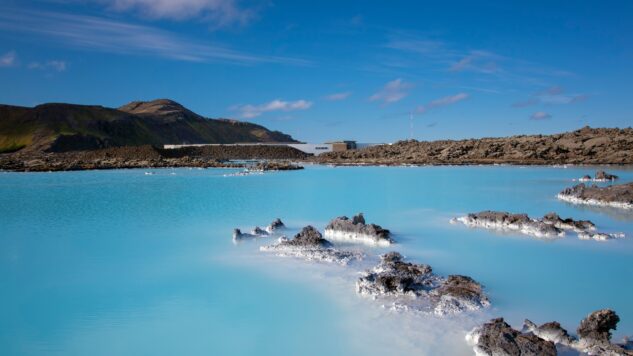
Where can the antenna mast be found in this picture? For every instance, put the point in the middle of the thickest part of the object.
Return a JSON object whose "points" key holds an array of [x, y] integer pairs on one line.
{"points": [[410, 125]]}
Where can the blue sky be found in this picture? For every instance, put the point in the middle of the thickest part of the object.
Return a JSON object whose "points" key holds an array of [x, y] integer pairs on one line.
{"points": [[332, 69]]}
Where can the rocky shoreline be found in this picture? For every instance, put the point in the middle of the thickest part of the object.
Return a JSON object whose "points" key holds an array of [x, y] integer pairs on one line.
{"points": [[584, 146], [277, 158], [587, 146]]}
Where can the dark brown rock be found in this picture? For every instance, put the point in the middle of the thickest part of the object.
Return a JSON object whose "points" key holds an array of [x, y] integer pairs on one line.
{"points": [[498, 338]]}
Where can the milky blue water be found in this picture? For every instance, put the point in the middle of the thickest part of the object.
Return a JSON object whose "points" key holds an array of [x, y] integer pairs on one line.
{"points": [[123, 263]]}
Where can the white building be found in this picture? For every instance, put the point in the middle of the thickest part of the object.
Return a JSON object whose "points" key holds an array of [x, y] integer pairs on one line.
{"points": [[309, 148]]}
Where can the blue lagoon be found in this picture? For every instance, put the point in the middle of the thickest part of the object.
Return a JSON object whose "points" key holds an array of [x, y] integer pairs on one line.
{"points": [[120, 262]]}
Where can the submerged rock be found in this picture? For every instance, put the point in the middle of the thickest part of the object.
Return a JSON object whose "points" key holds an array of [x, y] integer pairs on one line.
{"points": [[310, 245], [356, 230], [498, 338], [594, 337], [550, 226], [618, 196], [416, 286]]}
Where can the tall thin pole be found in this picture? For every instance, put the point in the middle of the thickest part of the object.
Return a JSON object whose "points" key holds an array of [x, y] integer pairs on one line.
{"points": [[410, 125]]}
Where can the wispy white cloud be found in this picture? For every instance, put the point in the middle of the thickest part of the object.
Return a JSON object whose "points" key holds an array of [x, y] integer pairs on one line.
{"points": [[219, 13], [426, 47], [421, 50], [9, 59], [392, 92], [477, 61], [445, 101], [250, 111], [338, 96], [540, 115], [58, 66], [551, 95], [106, 35]]}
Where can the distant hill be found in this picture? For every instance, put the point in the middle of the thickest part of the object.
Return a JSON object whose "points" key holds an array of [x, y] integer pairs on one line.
{"points": [[67, 127]]}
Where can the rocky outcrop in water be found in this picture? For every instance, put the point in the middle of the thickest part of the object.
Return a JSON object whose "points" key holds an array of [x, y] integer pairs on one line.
{"points": [[500, 220], [309, 244], [617, 196], [594, 334], [415, 286], [568, 224], [551, 331], [357, 230], [274, 226], [594, 337], [498, 338], [550, 226], [601, 176]]}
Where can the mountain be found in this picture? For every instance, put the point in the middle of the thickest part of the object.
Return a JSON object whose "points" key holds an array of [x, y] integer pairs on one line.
{"points": [[67, 127]]}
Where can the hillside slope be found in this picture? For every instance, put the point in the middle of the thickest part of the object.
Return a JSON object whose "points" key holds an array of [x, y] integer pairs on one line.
{"points": [[68, 127]]}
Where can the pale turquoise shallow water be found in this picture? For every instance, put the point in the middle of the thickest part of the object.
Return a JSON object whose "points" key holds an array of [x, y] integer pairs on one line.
{"points": [[119, 262]]}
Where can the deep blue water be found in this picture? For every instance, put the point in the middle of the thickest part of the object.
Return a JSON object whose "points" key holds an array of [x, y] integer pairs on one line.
{"points": [[123, 263]]}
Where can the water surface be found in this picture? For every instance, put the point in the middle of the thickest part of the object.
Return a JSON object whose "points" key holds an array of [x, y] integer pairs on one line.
{"points": [[119, 262]]}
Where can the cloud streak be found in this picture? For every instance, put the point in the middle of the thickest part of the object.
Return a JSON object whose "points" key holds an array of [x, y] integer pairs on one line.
{"points": [[58, 66], [338, 96], [111, 36], [8, 59], [220, 13], [445, 101], [477, 61], [448, 57], [392, 92], [540, 115], [250, 111], [552, 95]]}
